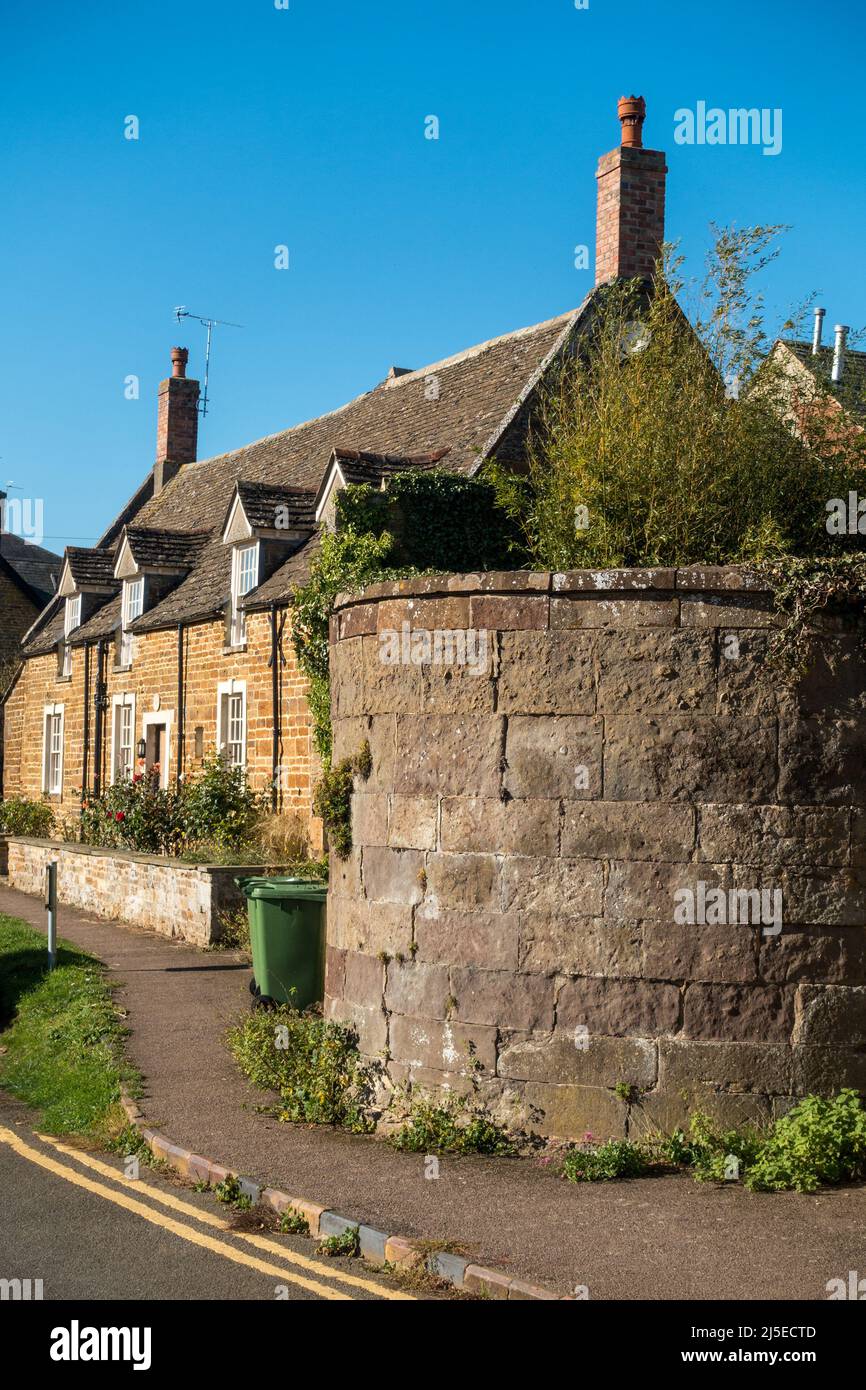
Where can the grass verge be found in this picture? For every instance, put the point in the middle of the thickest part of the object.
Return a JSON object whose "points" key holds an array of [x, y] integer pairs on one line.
{"points": [[62, 1035]]}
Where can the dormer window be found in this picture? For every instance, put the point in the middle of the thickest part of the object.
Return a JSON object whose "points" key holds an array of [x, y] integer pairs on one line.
{"points": [[71, 620], [133, 607], [245, 577]]}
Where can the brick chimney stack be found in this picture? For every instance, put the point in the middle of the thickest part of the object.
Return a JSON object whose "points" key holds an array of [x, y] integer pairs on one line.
{"points": [[177, 421], [630, 223]]}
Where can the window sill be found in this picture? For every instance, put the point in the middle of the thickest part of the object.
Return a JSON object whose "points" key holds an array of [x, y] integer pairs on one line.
{"points": [[234, 651], [118, 670], [64, 680]]}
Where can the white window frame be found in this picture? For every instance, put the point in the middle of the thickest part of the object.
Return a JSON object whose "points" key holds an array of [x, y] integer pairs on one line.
{"points": [[119, 703], [132, 608], [53, 717], [165, 717], [240, 573], [226, 692], [71, 620]]}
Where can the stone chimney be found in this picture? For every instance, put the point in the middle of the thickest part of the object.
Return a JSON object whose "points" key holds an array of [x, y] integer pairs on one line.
{"points": [[630, 223], [177, 421]]}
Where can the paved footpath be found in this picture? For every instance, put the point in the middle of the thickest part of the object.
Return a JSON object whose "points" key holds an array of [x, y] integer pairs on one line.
{"points": [[651, 1238]]}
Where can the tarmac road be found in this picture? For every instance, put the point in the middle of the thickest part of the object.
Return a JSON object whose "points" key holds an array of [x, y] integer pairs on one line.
{"points": [[72, 1219]]}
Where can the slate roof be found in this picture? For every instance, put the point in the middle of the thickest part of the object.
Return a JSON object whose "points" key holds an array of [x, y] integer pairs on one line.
{"points": [[38, 568], [454, 412]]}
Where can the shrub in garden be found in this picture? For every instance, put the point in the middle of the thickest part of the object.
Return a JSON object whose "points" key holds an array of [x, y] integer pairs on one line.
{"points": [[211, 815], [437, 521], [218, 808], [135, 814], [19, 816]]}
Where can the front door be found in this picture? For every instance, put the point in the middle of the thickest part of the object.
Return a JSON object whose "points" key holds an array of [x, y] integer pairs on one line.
{"points": [[156, 758]]}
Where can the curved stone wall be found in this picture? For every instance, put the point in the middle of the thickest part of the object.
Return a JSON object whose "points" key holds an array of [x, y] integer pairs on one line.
{"points": [[607, 866]]}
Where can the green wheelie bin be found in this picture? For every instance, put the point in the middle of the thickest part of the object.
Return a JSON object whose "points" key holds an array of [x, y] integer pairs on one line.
{"points": [[287, 934]]}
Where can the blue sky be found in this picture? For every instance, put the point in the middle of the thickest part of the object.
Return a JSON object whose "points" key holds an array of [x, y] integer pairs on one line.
{"points": [[305, 127]]}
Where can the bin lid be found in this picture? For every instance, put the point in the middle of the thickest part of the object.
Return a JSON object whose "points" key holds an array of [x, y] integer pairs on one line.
{"points": [[283, 888]]}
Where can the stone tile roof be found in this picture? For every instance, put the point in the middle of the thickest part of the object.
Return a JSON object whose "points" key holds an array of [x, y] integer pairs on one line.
{"points": [[359, 466], [91, 566], [261, 501], [164, 549], [465, 406]]}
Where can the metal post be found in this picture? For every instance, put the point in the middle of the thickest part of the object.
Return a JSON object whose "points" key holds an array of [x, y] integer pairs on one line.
{"points": [[51, 908]]}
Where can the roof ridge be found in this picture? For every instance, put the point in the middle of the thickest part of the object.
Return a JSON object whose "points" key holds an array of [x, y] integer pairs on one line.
{"points": [[413, 375], [392, 383]]}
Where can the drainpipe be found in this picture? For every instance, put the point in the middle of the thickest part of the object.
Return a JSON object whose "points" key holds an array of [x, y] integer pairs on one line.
{"points": [[180, 696], [100, 702], [85, 748], [275, 710]]}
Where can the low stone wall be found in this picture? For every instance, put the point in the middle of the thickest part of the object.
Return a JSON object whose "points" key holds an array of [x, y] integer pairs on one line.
{"points": [[173, 899], [515, 914]]}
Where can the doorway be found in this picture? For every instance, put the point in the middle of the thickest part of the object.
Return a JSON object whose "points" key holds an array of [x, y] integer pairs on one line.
{"points": [[157, 744]]}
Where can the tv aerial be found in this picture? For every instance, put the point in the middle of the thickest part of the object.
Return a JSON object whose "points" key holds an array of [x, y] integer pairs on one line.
{"points": [[182, 312]]}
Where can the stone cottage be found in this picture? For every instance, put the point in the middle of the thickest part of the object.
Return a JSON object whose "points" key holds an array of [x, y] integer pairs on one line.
{"points": [[171, 636]]}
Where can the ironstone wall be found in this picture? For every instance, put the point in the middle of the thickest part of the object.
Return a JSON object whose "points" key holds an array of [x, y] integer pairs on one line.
{"points": [[508, 916]]}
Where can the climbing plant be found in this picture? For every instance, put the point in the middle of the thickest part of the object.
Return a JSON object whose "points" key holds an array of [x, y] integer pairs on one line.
{"points": [[422, 522]]}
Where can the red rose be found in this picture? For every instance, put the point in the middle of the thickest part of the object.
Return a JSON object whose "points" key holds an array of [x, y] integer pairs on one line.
{"points": [[120, 815]]}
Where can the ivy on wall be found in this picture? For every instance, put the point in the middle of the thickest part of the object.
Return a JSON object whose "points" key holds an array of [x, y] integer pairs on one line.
{"points": [[438, 521], [430, 522]]}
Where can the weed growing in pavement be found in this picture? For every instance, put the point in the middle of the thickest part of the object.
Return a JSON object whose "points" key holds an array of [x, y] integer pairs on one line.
{"points": [[347, 1243], [313, 1065], [294, 1223], [452, 1125], [820, 1142], [617, 1158], [230, 1193]]}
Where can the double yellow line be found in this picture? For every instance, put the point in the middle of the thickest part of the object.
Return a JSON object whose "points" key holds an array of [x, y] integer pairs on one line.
{"points": [[204, 1218]]}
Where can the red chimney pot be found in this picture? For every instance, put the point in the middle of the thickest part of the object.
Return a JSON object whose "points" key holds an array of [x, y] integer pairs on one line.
{"points": [[632, 114], [179, 359]]}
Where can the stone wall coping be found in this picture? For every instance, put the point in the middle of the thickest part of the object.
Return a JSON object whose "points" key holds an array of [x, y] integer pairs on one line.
{"points": [[709, 579], [130, 856]]}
